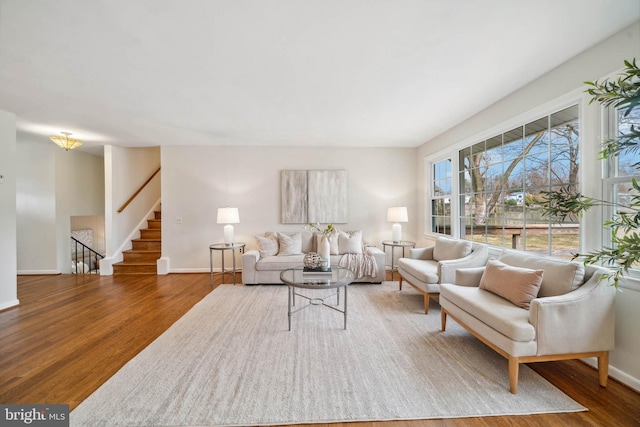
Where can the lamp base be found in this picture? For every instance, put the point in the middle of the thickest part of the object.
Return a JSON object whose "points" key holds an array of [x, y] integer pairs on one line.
{"points": [[228, 234], [396, 232]]}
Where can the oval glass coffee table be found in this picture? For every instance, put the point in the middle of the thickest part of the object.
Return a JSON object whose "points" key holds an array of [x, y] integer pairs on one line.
{"points": [[297, 278]]}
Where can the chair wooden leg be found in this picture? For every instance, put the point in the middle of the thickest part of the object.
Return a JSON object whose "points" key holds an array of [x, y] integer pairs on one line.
{"points": [[514, 366], [443, 319], [426, 303], [603, 368]]}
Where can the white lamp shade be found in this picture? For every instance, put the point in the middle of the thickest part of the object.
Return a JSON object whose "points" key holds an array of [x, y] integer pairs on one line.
{"points": [[397, 214], [228, 216]]}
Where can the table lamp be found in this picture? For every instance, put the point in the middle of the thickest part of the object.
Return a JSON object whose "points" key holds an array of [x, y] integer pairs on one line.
{"points": [[397, 215], [228, 216]]}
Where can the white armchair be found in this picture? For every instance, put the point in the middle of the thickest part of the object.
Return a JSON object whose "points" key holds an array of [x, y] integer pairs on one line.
{"points": [[427, 268], [572, 317]]}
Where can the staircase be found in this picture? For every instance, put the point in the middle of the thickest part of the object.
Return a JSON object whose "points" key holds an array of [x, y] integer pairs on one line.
{"points": [[146, 250]]}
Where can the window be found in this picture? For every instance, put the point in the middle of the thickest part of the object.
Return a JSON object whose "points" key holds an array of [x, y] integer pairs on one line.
{"points": [[621, 169], [441, 192], [502, 180], [626, 164]]}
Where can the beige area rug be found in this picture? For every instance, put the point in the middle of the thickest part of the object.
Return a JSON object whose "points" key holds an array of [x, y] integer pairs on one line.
{"points": [[231, 361]]}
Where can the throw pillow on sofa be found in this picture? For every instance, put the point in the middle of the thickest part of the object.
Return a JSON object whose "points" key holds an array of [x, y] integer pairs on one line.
{"points": [[290, 244], [267, 246], [561, 276], [350, 242], [516, 284], [445, 249]]}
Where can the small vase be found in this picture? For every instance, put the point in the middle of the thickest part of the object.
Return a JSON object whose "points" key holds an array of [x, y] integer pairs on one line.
{"points": [[325, 250]]}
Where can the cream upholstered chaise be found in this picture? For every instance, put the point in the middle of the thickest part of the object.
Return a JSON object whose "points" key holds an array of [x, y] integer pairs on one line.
{"points": [[535, 309], [426, 268]]}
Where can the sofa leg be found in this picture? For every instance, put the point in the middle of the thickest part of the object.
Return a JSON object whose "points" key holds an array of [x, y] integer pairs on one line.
{"points": [[514, 367], [426, 303], [400, 283], [443, 319], [603, 368]]}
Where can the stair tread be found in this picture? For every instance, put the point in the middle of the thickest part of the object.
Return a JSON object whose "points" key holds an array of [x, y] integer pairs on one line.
{"points": [[142, 258], [135, 262], [134, 273]]}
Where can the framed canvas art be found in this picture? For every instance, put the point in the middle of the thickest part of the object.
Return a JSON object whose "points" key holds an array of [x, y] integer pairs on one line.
{"points": [[314, 196]]}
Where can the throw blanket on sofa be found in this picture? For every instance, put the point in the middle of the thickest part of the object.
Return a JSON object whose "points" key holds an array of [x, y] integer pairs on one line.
{"points": [[363, 264]]}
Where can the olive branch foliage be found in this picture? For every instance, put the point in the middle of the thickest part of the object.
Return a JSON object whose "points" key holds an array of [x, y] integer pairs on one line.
{"points": [[622, 93]]}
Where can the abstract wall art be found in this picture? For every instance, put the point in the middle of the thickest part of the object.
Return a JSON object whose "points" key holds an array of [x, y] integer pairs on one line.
{"points": [[314, 196]]}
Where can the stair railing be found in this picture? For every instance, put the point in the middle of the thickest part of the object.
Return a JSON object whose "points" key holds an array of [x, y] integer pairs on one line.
{"points": [[87, 252], [138, 191]]}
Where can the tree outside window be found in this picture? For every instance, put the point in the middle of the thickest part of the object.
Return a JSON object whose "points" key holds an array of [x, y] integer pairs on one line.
{"points": [[441, 192], [503, 179]]}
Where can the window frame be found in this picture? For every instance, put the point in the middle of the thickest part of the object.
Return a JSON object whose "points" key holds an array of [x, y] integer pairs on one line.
{"points": [[610, 180], [431, 196], [575, 98]]}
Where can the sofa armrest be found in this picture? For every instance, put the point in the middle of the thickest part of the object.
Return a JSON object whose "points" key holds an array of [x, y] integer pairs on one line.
{"points": [[249, 260], [373, 250], [578, 321], [447, 268], [421, 253]]}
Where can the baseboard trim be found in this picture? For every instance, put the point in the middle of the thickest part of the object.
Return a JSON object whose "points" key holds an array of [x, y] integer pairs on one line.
{"points": [[195, 270], [38, 272], [616, 374], [9, 304], [163, 266]]}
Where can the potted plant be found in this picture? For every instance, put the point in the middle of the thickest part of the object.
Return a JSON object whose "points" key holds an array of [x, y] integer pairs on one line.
{"points": [[622, 93]]}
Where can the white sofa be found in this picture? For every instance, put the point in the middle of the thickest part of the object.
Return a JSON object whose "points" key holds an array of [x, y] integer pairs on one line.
{"points": [[426, 268], [278, 251], [570, 315]]}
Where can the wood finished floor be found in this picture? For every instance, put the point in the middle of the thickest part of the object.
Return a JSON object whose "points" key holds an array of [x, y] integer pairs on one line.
{"points": [[72, 332]]}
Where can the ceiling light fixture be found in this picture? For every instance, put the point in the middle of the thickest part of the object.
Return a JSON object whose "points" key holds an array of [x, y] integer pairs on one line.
{"points": [[66, 142]]}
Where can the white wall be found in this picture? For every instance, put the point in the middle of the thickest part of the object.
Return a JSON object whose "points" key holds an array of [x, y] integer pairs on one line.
{"points": [[36, 201], [197, 180], [563, 83], [8, 245], [52, 185]]}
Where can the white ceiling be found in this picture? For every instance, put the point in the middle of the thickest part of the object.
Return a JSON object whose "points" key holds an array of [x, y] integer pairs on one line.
{"points": [[363, 73]]}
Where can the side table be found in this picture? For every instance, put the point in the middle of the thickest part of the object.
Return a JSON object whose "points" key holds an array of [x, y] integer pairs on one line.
{"points": [[222, 247], [401, 244]]}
